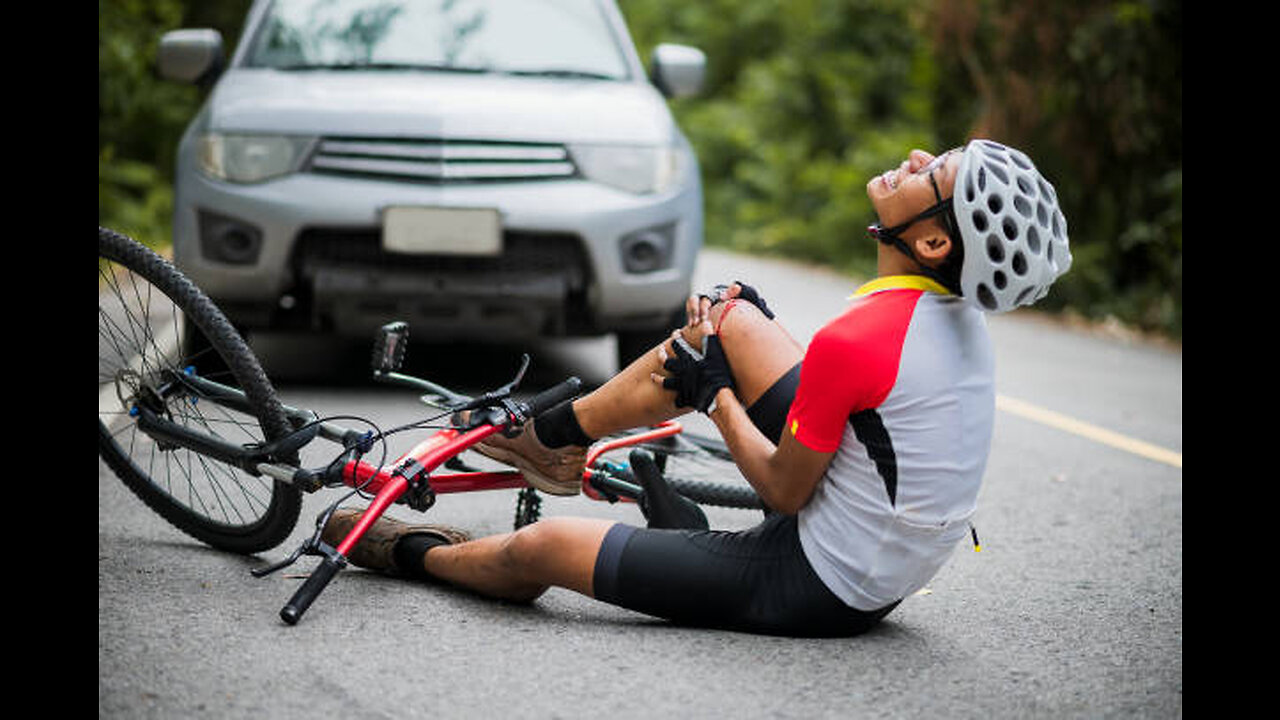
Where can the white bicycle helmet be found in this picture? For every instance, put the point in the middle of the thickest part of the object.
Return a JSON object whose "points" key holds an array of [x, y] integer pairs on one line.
{"points": [[1014, 234]]}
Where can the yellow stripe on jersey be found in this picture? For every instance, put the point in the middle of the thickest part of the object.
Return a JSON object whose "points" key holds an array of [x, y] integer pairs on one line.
{"points": [[900, 282]]}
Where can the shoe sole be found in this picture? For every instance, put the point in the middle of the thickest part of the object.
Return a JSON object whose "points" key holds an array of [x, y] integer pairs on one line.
{"points": [[531, 474]]}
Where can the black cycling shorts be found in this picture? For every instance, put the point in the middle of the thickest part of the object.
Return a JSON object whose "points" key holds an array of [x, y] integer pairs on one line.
{"points": [[755, 580]]}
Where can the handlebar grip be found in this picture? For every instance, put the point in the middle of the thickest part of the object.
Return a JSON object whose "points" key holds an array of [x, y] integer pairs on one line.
{"points": [[553, 396], [292, 612]]}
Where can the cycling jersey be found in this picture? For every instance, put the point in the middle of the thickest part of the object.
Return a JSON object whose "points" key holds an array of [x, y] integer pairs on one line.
{"points": [[901, 388]]}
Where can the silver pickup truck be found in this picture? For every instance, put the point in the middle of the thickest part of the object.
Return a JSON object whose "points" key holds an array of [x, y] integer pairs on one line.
{"points": [[498, 169]]}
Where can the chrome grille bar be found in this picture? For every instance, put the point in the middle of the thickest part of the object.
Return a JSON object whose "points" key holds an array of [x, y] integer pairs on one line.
{"points": [[442, 161]]}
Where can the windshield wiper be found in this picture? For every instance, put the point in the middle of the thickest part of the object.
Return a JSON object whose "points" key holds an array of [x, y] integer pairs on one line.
{"points": [[348, 67], [563, 73]]}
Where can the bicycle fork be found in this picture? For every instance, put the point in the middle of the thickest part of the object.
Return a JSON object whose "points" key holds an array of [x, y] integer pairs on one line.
{"points": [[409, 479]]}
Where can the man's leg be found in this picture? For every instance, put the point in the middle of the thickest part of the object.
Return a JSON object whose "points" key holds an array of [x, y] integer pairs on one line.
{"points": [[759, 350], [521, 565], [552, 449], [562, 551]]}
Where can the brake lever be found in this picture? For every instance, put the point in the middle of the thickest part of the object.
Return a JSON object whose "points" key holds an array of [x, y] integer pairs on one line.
{"points": [[311, 546], [510, 387], [495, 398], [498, 401]]}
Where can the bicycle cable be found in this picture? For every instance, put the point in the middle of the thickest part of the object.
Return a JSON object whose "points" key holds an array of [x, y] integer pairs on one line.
{"points": [[375, 437]]}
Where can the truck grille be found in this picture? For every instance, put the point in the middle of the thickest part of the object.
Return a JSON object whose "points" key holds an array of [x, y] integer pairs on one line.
{"points": [[525, 254], [441, 161]]}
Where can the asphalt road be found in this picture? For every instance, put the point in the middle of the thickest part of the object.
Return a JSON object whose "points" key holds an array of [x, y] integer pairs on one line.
{"points": [[1073, 608]]}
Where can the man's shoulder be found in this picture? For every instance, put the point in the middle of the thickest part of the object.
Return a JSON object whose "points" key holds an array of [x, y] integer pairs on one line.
{"points": [[871, 317]]}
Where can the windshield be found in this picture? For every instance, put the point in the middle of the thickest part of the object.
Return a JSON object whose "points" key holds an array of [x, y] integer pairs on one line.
{"points": [[554, 37]]}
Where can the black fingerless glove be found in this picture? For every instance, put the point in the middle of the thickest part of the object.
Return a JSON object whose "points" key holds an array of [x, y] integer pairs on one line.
{"points": [[749, 294], [696, 380]]}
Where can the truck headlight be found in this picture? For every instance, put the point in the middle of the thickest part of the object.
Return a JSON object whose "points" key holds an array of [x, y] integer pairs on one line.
{"points": [[641, 170], [250, 158]]}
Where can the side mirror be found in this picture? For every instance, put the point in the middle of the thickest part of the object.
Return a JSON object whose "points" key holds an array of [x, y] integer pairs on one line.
{"points": [[190, 56], [678, 70]]}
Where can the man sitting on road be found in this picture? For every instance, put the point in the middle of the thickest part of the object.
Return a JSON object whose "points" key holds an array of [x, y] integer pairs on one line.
{"points": [[869, 445]]}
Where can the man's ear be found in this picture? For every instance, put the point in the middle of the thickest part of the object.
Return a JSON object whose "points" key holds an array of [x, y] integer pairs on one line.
{"points": [[933, 248]]}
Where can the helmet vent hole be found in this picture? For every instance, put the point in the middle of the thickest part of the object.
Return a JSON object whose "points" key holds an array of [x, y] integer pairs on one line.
{"points": [[1046, 190], [1057, 226], [1022, 296], [995, 204], [986, 298], [1023, 206], [980, 220], [1000, 280], [995, 249], [998, 172], [1010, 228], [1042, 214], [1033, 240], [1026, 186], [982, 179], [1019, 264], [1021, 161]]}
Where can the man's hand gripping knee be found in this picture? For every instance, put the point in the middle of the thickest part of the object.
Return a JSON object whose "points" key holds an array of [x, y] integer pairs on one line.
{"points": [[695, 362]]}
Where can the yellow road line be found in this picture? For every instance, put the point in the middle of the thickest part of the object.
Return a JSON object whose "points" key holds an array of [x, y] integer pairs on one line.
{"points": [[1086, 430]]}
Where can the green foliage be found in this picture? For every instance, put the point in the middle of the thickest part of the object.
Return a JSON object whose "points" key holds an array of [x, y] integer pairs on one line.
{"points": [[806, 100], [140, 116]]}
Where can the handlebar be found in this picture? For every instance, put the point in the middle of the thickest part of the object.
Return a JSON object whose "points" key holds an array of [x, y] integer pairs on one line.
{"points": [[553, 396], [292, 612]]}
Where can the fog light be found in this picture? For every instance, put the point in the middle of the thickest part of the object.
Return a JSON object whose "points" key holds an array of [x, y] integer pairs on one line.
{"points": [[647, 250], [227, 240]]}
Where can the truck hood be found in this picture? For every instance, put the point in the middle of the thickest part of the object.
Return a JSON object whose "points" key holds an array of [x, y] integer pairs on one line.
{"points": [[422, 104]]}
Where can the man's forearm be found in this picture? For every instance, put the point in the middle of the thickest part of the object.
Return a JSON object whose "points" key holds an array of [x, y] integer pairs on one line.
{"points": [[753, 453]]}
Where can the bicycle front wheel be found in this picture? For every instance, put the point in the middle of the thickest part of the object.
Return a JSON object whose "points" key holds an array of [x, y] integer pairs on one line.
{"points": [[148, 315]]}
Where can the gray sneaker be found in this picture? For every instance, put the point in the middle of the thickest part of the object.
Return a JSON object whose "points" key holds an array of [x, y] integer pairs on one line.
{"points": [[555, 472], [375, 551]]}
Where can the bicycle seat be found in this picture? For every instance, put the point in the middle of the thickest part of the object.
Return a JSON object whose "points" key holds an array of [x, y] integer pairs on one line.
{"points": [[662, 506]]}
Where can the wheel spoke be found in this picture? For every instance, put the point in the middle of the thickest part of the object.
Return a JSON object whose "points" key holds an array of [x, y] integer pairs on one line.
{"points": [[142, 323]]}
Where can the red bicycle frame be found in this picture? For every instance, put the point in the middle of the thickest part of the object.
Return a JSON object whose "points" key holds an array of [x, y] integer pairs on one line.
{"points": [[390, 482]]}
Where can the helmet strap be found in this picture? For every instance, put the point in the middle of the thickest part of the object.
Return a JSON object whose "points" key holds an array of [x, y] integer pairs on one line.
{"points": [[893, 236]]}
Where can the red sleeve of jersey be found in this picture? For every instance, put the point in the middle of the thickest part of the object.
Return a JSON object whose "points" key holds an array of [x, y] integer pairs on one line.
{"points": [[850, 365]]}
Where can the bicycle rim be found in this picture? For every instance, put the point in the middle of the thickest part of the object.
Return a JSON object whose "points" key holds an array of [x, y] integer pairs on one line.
{"points": [[147, 312]]}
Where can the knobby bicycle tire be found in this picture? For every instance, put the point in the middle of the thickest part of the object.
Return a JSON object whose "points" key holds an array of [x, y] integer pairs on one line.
{"points": [[145, 309], [719, 494]]}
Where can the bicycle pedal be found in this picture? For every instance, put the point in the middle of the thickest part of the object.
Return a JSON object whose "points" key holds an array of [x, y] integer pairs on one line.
{"points": [[389, 347]]}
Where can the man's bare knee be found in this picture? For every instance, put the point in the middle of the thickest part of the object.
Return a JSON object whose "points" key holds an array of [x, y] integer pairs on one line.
{"points": [[733, 317], [518, 557], [759, 350]]}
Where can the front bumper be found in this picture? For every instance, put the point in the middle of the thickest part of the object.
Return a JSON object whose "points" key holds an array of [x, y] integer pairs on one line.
{"points": [[309, 256]]}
